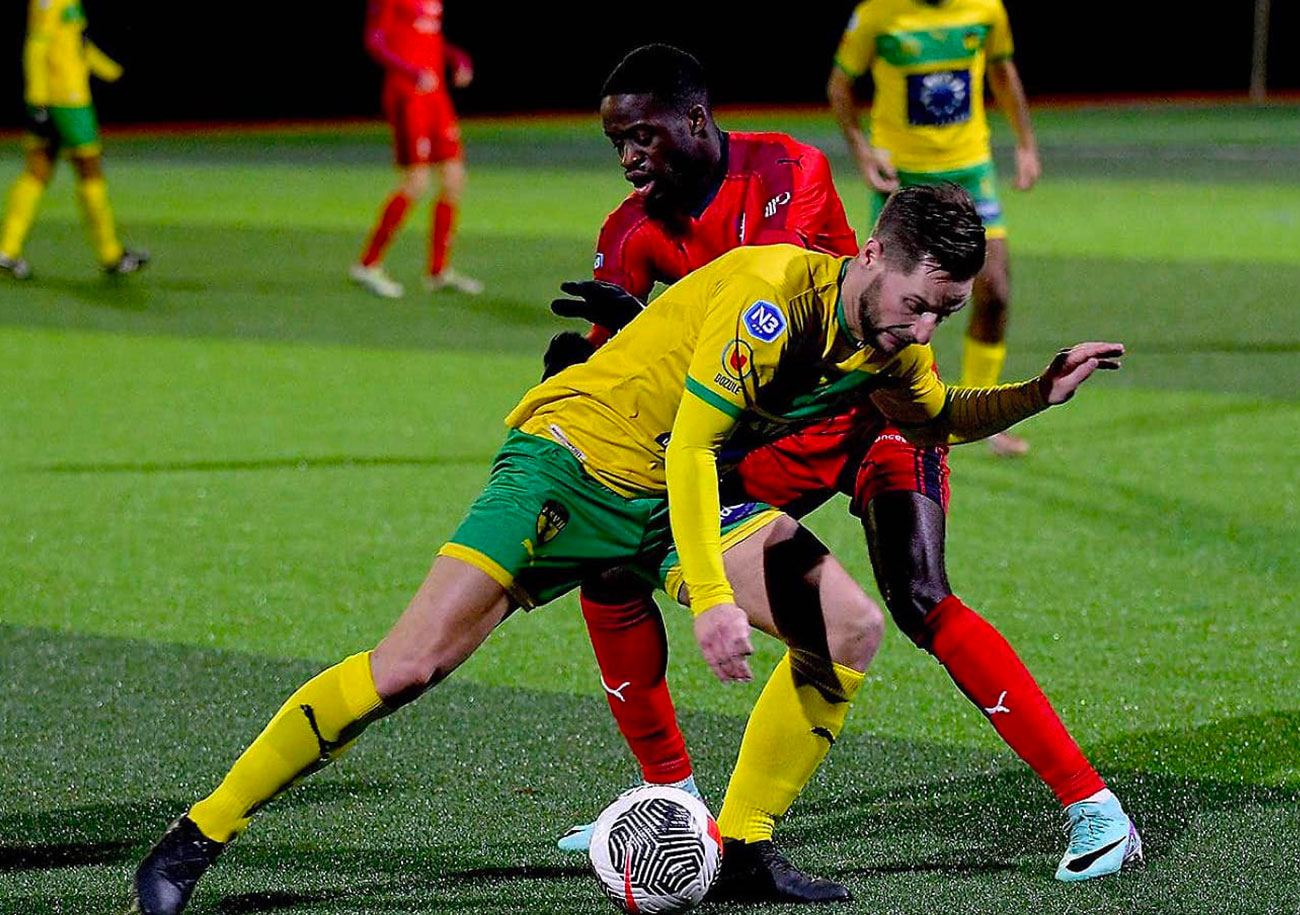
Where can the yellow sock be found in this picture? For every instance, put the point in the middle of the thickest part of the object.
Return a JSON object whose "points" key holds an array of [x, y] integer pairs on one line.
{"points": [[315, 725], [20, 213], [981, 363], [93, 194], [799, 715]]}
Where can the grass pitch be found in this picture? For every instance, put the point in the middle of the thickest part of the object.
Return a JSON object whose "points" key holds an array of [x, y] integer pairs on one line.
{"points": [[225, 474]]}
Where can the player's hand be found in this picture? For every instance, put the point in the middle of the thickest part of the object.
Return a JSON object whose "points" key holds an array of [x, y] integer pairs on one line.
{"points": [[1028, 168], [1073, 366], [601, 303], [566, 348], [462, 76], [426, 82], [722, 632], [878, 169]]}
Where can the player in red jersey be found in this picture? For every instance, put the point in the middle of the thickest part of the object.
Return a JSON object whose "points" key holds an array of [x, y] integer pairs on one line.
{"points": [[405, 37], [700, 191]]}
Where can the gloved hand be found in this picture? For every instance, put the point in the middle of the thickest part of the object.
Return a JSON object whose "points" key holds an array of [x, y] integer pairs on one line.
{"points": [[566, 348], [599, 302], [40, 115]]}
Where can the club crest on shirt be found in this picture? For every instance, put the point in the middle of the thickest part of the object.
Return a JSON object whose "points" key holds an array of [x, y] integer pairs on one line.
{"points": [[764, 321], [550, 521], [738, 359]]}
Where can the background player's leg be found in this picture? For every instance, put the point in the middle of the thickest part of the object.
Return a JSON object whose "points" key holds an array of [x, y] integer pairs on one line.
{"points": [[92, 195], [447, 619], [413, 184], [905, 536], [20, 209], [453, 177], [984, 349]]}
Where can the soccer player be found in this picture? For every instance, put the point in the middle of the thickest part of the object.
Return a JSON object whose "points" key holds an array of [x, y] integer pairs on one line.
{"points": [[58, 60], [405, 37], [927, 60], [695, 186], [603, 465]]}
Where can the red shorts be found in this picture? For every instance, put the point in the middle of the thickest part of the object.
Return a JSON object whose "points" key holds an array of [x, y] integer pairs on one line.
{"points": [[424, 126], [860, 455]]}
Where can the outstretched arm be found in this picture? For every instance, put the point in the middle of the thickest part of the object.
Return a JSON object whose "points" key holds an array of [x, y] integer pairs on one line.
{"points": [[970, 414]]}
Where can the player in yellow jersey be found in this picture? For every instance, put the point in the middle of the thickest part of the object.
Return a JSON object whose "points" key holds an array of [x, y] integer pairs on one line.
{"points": [[928, 60], [58, 61], [614, 461]]}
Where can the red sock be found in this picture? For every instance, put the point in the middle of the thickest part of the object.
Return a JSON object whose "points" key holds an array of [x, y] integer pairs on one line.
{"points": [[632, 652], [987, 670], [390, 220], [444, 222]]}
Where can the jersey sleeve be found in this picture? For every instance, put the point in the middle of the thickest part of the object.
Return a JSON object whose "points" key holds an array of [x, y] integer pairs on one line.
{"points": [[42, 17], [379, 25], [625, 254], [740, 346], [913, 395], [858, 44], [928, 412], [999, 45]]}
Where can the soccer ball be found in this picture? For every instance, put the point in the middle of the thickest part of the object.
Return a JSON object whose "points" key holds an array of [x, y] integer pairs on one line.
{"points": [[656, 849]]}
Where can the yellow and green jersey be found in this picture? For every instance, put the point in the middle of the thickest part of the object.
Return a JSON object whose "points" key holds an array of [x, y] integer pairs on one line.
{"points": [[737, 353], [757, 335], [57, 59], [927, 62]]}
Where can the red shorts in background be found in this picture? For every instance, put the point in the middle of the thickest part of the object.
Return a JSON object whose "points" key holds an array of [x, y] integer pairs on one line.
{"points": [[425, 128], [860, 455]]}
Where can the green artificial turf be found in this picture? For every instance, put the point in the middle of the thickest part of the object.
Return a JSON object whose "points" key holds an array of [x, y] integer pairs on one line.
{"points": [[226, 473]]}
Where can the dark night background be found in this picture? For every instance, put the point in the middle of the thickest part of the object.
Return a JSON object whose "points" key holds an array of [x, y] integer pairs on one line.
{"points": [[242, 60]]}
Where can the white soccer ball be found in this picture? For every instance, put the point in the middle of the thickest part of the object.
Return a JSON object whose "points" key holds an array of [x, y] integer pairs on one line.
{"points": [[656, 849]]}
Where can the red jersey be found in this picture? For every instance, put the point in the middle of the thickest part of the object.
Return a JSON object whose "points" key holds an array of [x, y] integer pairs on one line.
{"points": [[405, 37], [776, 190]]}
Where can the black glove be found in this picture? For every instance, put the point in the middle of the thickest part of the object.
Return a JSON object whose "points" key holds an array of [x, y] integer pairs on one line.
{"points": [[567, 348], [601, 303]]}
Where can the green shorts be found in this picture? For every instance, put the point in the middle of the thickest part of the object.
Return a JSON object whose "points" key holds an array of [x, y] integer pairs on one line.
{"points": [[980, 181], [73, 129], [542, 525]]}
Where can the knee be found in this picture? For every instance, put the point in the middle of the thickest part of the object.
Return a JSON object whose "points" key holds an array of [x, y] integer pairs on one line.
{"points": [[403, 673], [854, 637], [454, 179], [416, 183], [42, 171], [911, 605]]}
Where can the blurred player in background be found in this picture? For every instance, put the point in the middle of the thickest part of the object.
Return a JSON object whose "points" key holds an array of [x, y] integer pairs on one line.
{"points": [[927, 59], [405, 37], [698, 192], [58, 60]]}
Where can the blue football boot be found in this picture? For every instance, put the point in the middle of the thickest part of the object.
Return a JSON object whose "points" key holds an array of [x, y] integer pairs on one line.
{"points": [[1102, 839], [578, 838]]}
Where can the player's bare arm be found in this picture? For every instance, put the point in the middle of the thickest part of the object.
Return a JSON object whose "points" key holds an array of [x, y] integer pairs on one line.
{"points": [[1009, 93], [874, 163]]}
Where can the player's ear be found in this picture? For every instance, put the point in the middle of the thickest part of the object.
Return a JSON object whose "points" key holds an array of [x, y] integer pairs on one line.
{"points": [[872, 251], [697, 118]]}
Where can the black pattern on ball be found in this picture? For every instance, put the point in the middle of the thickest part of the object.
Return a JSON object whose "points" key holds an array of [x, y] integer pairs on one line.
{"points": [[665, 850]]}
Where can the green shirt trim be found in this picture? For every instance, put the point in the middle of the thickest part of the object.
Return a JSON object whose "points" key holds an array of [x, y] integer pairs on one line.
{"points": [[712, 399]]}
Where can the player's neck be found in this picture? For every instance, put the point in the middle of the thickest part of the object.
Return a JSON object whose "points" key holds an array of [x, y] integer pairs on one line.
{"points": [[711, 178]]}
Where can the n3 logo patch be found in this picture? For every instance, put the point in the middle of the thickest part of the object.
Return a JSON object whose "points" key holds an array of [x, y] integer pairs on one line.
{"points": [[764, 321], [550, 521], [738, 360]]}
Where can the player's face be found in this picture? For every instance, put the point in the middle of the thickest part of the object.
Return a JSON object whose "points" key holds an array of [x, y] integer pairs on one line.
{"points": [[661, 150], [896, 308]]}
